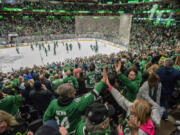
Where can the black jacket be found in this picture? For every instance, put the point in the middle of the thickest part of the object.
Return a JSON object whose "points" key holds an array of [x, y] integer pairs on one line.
{"points": [[40, 99], [25, 93]]}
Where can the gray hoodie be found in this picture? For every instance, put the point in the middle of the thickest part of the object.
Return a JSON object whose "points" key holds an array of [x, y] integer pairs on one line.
{"points": [[144, 94]]}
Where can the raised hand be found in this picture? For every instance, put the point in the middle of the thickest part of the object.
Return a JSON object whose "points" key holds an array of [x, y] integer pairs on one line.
{"points": [[105, 77], [118, 67]]}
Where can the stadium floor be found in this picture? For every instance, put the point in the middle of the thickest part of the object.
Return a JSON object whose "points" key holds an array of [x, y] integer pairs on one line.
{"points": [[167, 127]]}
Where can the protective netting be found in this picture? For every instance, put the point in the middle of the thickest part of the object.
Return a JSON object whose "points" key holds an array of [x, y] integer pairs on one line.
{"points": [[124, 29], [113, 28]]}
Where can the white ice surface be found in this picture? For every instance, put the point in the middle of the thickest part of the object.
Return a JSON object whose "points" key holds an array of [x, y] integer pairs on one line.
{"points": [[9, 58]]}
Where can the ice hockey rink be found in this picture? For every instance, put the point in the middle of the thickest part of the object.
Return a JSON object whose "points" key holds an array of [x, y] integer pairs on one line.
{"points": [[27, 57]]}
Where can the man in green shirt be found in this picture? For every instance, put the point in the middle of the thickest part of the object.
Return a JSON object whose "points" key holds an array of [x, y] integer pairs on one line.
{"points": [[91, 77], [67, 110], [8, 87], [130, 83], [13, 80], [96, 121], [7, 84], [71, 79]]}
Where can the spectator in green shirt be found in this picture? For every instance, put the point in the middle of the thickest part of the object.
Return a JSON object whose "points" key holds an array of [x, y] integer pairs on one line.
{"points": [[130, 82], [91, 77], [71, 79], [57, 81], [9, 103], [67, 110]]}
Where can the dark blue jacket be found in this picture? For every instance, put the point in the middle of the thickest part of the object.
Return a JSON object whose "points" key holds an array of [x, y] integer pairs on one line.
{"points": [[168, 77]]}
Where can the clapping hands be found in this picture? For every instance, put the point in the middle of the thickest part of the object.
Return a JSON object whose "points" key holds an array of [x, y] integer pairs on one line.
{"points": [[105, 76], [133, 123]]}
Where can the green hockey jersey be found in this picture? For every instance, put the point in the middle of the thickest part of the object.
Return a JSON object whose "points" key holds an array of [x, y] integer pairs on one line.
{"points": [[69, 116], [71, 80], [91, 79]]}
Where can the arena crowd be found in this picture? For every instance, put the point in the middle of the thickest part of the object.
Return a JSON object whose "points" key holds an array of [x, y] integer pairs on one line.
{"points": [[125, 93]]}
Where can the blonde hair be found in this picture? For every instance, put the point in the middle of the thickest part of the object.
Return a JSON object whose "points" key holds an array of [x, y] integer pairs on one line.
{"points": [[177, 62], [8, 118], [20, 80], [142, 110], [31, 81], [152, 69]]}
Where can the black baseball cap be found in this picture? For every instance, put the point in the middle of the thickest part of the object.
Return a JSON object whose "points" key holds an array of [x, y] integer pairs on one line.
{"points": [[98, 112], [47, 130]]}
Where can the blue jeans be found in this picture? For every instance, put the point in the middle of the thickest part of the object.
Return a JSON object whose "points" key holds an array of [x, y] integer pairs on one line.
{"points": [[164, 103]]}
